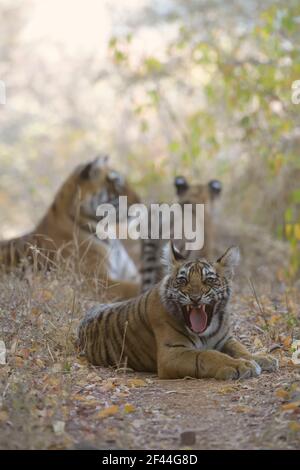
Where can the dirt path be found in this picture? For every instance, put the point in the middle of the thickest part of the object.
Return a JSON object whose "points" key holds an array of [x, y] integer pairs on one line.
{"points": [[196, 414]]}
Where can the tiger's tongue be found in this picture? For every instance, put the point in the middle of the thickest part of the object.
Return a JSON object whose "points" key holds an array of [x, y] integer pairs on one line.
{"points": [[198, 319]]}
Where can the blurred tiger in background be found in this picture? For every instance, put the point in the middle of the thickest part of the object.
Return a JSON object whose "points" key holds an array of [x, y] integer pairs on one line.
{"points": [[70, 226], [207, 194], [179, 328]]}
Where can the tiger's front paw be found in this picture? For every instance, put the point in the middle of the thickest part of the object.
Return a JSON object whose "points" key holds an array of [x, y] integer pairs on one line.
{"points": [[238, 369], [266, 362]]}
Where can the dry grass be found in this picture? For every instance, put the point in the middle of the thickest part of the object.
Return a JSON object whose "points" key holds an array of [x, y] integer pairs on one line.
{"points": [[39, 315], [51, 398]]}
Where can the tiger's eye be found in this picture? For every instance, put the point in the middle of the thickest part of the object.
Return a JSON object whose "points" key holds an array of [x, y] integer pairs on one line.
{"points": [[210, 278], [182, 281]]}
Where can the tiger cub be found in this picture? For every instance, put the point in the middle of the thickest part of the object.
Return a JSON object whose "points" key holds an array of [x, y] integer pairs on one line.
{"points": [[207, 194], [70, 225], [179, 328]]}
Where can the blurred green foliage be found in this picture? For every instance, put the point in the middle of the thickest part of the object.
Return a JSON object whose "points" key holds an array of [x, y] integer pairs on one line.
{"points": [[242, 100]]}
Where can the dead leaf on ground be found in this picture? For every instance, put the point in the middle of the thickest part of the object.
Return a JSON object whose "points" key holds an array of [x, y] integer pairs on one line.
{"points": [[228, 389], [18, 361], [291, 406], [286, 342], [107, 386], [136, 383], [281, 393], [39, 362], [242, 409], [257, 343], [86, 401], [129, 408], [109, 411], [294, 426]]}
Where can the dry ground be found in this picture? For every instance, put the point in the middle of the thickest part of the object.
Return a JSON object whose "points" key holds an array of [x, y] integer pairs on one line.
{"points": [[51, 398]]}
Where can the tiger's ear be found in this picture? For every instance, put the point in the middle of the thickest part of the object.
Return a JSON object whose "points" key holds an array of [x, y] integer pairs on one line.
{"points": [[215, 188], [227, 263], [116, 178], [171, 257], [93, 168], [181, 185]]}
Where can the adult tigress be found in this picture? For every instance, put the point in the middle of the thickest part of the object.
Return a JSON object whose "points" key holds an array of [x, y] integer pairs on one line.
{"points": [[69, 227], [179, 328]]}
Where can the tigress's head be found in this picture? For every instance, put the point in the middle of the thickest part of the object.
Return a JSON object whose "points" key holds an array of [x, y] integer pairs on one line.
{"points": [[197, 193], [197, 291], [90, 178], [98, 184]]}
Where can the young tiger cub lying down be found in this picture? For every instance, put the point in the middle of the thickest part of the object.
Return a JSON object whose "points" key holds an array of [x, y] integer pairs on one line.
{"points": [[179, 328]]}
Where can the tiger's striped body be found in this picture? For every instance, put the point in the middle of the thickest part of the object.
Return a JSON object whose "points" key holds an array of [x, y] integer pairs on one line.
{"points": [[151, 268], [69, 228], [180, 327]]}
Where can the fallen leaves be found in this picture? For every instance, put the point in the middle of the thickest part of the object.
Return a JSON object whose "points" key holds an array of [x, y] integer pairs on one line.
{"points": [[136, 383], [86, 400], [108, 386], [292, 406], [294, 426], [287, 341], [39, 363], [281, 393], [258, 343], [109, 411], [275, 319], [242, 409], [114, 409], [18, 361], [129, 408], [228, 389], [42, 295]]}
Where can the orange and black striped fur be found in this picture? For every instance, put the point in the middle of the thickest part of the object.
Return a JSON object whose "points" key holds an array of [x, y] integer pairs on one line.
{"points": [[70, 225], [179, 328], [207, 194]]}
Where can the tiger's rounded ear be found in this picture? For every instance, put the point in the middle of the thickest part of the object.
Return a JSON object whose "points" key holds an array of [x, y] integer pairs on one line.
{"points": [[116, 178], [171, 256], [215, 188], [101, 160], [92, 168], [181, 184], [229, 261]]}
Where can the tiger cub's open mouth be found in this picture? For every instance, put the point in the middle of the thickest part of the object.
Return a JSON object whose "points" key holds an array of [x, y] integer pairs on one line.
{"points": [[198, 318]]}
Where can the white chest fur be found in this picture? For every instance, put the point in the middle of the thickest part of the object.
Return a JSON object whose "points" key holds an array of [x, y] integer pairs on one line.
{"points": [[121, 265]]}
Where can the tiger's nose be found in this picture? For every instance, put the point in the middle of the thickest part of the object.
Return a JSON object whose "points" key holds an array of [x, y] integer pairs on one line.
{"points": [[195, 298]]}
